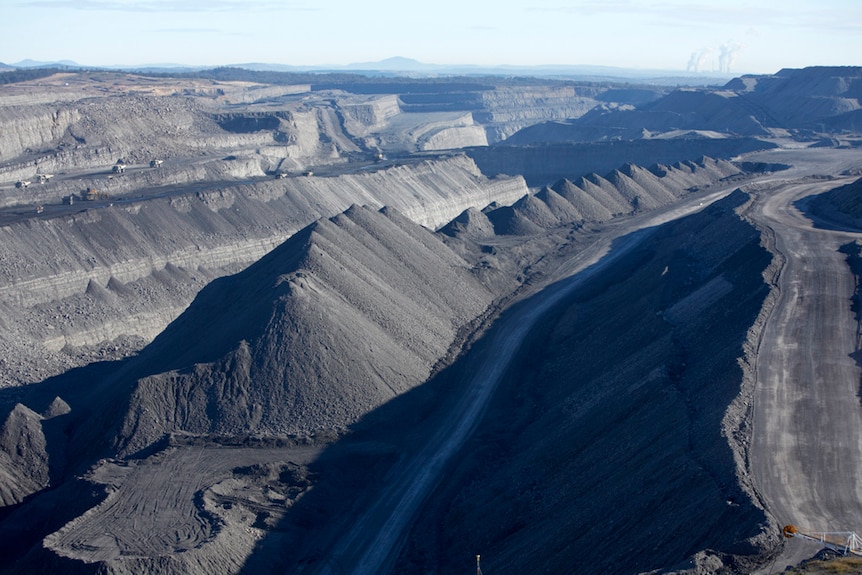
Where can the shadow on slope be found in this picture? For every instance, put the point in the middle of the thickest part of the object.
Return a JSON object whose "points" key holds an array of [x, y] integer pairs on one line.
{"points": [[613, 444], [607, 449], [853, 251], [317, 311], [839, 209], [61, 404], [543, 163], [343, 316]]}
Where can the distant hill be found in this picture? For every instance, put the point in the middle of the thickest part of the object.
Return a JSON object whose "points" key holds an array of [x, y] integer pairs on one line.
{"points": [[40, 64], [818, 98], [409, 67]]}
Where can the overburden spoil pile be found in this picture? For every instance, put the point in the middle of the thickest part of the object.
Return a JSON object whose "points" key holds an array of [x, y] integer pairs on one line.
{"points": [[609, 449], [359, 309], [345, 315]]}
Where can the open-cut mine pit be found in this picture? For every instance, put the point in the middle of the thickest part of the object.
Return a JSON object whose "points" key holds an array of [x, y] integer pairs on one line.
{"points": [[254, 323]]}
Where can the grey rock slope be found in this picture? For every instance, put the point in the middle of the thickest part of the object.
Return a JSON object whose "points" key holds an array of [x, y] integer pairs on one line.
{"points": [[104, 278], [543, 164], [345, 315], [613, 447], [841, 206], [361, 308], [593, 198], [23, 456], [807, 99]]}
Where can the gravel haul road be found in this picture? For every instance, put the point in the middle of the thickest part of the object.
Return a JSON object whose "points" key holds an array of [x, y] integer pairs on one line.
{"points": [[371, 545], [807, 445], [807, 440]]}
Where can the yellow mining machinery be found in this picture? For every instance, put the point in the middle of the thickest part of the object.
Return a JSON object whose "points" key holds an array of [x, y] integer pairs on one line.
{"points": [[92, 194], [844, 542]]}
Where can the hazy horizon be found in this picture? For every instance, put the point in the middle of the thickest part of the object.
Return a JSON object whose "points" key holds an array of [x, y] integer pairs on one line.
{"points": [[706, 36]]}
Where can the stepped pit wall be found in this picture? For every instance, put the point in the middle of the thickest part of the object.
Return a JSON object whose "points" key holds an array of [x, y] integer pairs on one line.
{"points": [[128, 268]]}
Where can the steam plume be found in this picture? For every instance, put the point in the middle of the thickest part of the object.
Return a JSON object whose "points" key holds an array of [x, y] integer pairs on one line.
{"points": [[698, 59], [727, 56]]}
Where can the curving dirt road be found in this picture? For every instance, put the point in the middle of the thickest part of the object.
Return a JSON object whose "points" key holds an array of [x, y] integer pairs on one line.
{"points": [[371, 545], [806, 453]]}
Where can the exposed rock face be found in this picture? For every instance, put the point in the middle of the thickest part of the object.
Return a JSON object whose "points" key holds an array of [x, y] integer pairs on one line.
{"points": [[33, 127], [345, 315], [92, 130], [509, 110], [499, 110], [77, 285], [620, 418]]}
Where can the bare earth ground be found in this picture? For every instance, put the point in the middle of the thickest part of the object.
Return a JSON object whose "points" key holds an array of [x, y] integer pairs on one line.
{"points": [[189, 506], [216, 511], [198, 506], [806, 444]]}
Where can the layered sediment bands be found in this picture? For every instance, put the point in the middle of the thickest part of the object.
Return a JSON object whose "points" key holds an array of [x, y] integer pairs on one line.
{"points": [[358, 283], [358, 309], [507, 110], [460, 133], [369, 114], [77, 280], [96, 132], [32, 127]]}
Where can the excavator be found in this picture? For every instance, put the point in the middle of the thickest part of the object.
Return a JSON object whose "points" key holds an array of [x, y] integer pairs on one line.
{"points": [[844, 542], [92, 194]]}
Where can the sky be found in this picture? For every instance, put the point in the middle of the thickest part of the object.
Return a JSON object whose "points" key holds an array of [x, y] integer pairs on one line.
{"points": [[734, 36]]}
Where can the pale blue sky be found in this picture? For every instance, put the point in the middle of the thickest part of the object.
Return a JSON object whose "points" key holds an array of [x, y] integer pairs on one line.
{"points": [[743, 36]]}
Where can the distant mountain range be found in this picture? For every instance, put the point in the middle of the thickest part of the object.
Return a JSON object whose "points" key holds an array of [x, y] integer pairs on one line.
{"points": [[38, 64], [407, 66]]}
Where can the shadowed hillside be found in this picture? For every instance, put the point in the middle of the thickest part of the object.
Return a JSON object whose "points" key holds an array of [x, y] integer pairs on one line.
{"points": [[286, 369], [612, 448], [816, 98]]}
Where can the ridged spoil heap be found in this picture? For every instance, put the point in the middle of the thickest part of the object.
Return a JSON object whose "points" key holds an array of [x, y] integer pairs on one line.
{"points": [[343, 316]]}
